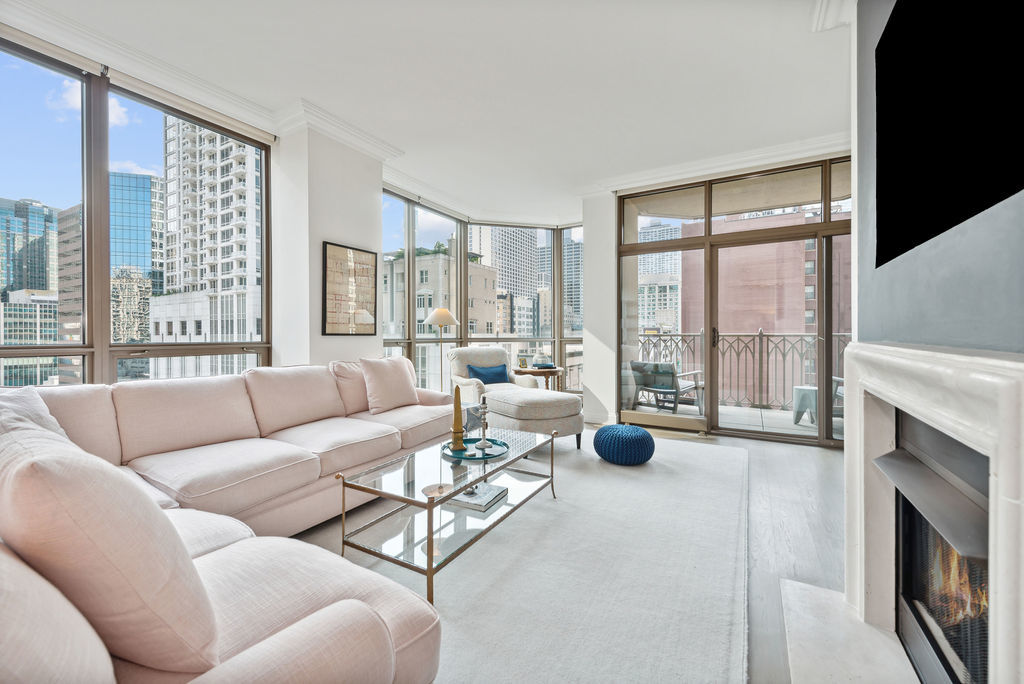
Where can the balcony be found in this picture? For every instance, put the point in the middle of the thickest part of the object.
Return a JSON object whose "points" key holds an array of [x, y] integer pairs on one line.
{"points": [[237, 153], [238, 221], [238, 236], [238, 171], [756, 376]]}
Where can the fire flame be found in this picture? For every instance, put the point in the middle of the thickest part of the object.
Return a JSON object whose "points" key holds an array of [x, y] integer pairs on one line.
{"points": [[953, 586]]}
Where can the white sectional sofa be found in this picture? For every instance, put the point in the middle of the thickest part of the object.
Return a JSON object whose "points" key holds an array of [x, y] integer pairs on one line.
{"points": [[226, 458], [263, 447]]}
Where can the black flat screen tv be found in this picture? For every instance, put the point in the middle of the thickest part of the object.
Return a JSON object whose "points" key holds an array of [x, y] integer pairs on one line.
{"points": [[949, 124]]}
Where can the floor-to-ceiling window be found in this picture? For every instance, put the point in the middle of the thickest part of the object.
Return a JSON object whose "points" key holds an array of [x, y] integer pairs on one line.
{"points": [[514, 286], [131, 234], [735, 303]]}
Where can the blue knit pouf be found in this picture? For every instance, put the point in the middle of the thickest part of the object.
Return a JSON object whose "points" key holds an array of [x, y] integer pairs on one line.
{"points": [[624, 444]]}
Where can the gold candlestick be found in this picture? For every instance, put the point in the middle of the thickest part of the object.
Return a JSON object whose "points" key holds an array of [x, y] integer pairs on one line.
{"points": [[457, 431]]}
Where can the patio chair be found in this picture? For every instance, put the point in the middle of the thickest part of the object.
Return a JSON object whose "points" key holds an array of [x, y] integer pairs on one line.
{"points": [[666, 386], [805, 400]]}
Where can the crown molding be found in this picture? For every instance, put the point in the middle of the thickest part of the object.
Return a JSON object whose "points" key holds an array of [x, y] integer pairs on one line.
{"points": [[305, 113], [67, 34], [830, 14], [765, 157]]}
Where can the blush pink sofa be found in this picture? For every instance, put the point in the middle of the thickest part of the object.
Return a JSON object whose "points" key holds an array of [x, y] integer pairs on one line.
{"points": [[188, 473], [263, 447]]}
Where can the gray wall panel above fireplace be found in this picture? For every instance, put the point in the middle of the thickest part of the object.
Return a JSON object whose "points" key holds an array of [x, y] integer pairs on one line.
{"points": [[963, 288]]}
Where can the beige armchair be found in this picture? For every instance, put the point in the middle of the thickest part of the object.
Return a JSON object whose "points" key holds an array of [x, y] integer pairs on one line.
{"points": [[473, 388]]}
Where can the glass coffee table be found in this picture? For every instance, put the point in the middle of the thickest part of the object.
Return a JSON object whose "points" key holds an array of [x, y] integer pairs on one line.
{"points": [[424, 532]]}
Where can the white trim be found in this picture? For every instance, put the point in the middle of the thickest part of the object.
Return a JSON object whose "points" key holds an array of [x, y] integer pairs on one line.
{"points": [[69, 35], [811, 149], [830, 14], [305, 113]]}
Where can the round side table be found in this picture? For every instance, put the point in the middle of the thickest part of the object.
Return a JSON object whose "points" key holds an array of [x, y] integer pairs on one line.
{"points": [[546, 373]]}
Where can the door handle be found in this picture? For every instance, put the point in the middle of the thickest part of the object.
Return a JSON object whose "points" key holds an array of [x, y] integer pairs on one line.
{"points": [[714, 337]]}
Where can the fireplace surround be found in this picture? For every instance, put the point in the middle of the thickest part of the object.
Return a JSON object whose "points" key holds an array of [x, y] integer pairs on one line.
{"points": [[974, 397]]}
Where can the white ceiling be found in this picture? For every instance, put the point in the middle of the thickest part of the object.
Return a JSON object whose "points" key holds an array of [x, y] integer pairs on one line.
{"points": [[513, 110]]}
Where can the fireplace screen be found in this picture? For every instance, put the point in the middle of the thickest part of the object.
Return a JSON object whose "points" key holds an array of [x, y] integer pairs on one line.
{"points": [[948, 595]]}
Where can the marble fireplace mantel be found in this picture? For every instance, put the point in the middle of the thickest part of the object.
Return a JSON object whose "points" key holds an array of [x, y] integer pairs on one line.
{"points": [[974, 396]]}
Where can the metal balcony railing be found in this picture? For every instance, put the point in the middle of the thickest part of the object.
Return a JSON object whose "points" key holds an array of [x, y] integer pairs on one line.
{"points": [[758, 370]]}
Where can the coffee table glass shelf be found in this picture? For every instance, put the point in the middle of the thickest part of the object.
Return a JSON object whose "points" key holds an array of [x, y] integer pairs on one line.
{"points": [[424, 531]]}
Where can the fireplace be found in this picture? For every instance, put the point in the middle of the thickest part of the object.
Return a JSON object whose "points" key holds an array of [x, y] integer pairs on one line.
{"points": [[933, 540], [941, 577], [942, 617]]}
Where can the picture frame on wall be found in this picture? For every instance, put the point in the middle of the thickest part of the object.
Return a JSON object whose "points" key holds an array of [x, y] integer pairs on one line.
{"points": [[349, 290]]}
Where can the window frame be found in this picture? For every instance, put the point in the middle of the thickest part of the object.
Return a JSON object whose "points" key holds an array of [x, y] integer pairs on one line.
{"points": [[100, 356]]}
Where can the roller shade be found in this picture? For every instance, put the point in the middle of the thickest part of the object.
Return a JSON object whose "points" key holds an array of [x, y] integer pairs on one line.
{"points": [[841, 188], [677, 204], [186, 106], [785, 189]]}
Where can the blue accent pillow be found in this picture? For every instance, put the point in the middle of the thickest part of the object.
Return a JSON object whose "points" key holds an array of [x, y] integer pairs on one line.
{"points": [[489, 375]]}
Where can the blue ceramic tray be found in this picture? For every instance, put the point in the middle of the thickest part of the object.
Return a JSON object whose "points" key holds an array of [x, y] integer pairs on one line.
{"points": [[471, 453]]}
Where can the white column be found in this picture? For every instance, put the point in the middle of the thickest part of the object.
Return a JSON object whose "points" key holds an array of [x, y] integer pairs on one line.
{"points": [[600, 368], [323, 190]]}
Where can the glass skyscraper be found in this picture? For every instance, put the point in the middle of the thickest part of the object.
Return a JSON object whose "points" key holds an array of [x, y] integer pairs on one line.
{"points": [[136, 228], [28, 246]]}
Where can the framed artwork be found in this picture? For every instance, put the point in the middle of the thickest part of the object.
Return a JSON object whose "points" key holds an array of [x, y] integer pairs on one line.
{"points": [[522, 363], [350, 291]]}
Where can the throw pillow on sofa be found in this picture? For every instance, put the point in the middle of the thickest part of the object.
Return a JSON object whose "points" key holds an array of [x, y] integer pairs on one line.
{"points": [[489, 375], [83, 525], [26, 402], [389, 383]]}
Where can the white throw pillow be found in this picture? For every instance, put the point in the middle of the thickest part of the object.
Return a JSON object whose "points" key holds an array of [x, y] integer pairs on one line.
{"points": [[389, 383], [351, 385], [83, 525], [26, 402]]}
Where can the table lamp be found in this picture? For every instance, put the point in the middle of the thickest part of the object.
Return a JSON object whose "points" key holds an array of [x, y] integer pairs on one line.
{"points": [[442, 318]]}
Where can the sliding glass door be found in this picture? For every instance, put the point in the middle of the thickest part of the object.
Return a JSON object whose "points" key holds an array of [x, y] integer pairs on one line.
{"points": [[735, 304]]}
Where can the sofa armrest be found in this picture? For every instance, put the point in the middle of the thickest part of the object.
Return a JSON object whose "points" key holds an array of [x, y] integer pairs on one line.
{"points": [[343, 642], [525, 381], [427, 397], [472, 388]]}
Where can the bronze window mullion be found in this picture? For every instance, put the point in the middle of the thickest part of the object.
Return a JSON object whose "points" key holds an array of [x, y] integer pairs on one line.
{"points": [[96, 238]]}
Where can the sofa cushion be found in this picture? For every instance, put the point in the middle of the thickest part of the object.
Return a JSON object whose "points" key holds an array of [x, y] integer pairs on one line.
{"points": [[42, 636], [500, 387], [151, 414], [292, 395], [86, 412], [389, 383], [203, 532], [159, 497], [261, 585], [81, 523], [341, 443], [351, 385], [416, 423], [230, 476], [534, 404]]}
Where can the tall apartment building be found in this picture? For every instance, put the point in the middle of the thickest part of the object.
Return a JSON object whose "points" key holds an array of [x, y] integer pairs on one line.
{"points": [[70, 274], [212, 246], [513, 251], [28, 246], [572, 286]]}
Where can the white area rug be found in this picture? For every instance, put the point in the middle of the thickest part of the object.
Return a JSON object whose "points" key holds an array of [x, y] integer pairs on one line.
{"points": [[634, 574]]}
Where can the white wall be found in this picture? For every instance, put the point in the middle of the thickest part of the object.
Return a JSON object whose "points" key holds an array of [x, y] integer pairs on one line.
{"points": [[600, 369], [322, 190]]}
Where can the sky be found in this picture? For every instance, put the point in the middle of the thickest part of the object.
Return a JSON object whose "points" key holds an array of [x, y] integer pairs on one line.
{"points": [[431, 228], [41, 145]]}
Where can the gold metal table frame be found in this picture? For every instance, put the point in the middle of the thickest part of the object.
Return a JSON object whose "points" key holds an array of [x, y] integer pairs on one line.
{"points": [[526, 483]]}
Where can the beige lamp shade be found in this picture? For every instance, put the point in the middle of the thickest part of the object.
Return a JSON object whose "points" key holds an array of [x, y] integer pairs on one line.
{"points": [[441, 317]]}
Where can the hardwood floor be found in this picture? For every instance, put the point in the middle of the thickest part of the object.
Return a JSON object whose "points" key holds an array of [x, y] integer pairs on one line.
{"points": [[795, 531]]}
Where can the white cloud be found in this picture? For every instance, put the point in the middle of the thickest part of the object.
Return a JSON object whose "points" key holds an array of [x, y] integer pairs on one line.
{"points": [[118, 115], [70, 99], [131, 167]]}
